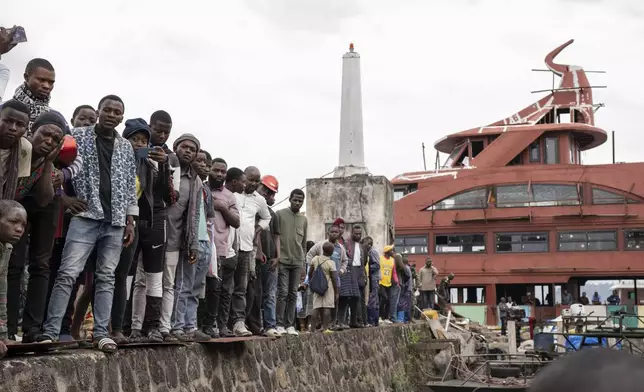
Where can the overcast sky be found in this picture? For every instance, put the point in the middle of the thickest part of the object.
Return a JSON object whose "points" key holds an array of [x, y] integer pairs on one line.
{"points": [[258, 81]]}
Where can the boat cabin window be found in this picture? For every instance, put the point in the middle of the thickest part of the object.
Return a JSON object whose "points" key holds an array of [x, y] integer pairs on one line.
{"points": [[552, 151], [634, 239], [475, 198], [538, 195], [467, 295], [521, 242], [401, 191], [602, 196], [457, 155], [587, 241], [459, 243], [571, 149], [516, 160], [477, 147], [535, 152], [412, 244]]}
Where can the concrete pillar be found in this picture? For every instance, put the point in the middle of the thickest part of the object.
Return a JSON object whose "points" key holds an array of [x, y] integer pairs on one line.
{"points": [[351, 157]]}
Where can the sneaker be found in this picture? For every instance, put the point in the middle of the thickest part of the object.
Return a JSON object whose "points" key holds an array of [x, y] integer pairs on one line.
{"points": [[327, 332], [272, 333], [292, 331], [280, 331], [44, 339], [224, 332], [239, 329], [198, 336], [211, 331], [154, 336], [386, 322]]}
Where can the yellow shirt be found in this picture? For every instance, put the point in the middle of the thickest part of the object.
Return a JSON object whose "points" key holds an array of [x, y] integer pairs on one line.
{"points": [[386, 270], [139, 188]]}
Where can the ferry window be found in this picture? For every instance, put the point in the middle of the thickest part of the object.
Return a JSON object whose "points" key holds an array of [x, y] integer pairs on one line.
{"points": [[552, 151], [475, 198], [512, 195], [401, 191], [460, 243], [457, 155], [477, 147], [571, 149], [634, 239], [582, 241], [522, 242], [412, 244], [515, 161], [601, 196], [535, 152], [555, 195]]}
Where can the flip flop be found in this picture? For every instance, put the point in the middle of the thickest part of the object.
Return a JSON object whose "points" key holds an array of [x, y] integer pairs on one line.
{"points": [[106, 345]]}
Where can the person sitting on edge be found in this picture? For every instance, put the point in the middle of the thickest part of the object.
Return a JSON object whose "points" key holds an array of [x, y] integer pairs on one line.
{"points": [[613, 299], [13, 221], [324, 304], [583, 299]]}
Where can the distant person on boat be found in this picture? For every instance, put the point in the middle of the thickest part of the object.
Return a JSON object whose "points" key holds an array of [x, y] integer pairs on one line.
{"points": [[566, 298], [613, 299], [597, 300], [503, 315], [443, 291], [428, 275], [612, 370], [583, 299]]}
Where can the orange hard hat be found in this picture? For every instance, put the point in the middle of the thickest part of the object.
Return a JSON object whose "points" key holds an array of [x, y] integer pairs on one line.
{"points": [[270, 182]]}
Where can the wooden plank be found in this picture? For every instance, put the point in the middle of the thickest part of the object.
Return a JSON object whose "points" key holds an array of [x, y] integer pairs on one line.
{"points": [[512, 336], [235, 339], [437, 329], [26, 348], [449, 316]]}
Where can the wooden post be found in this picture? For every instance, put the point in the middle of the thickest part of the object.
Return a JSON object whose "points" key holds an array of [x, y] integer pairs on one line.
{"points": [[449, 316], [561, 339], [512, 336]]}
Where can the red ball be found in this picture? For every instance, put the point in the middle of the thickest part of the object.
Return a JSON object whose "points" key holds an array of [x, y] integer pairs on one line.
{"points": [[68, 152]]}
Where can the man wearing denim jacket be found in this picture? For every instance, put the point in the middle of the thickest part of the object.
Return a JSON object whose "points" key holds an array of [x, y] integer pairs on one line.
{"points": [[107, 183]]}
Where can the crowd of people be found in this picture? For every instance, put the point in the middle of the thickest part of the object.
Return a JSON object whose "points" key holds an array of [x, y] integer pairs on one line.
{"points": [[162, 242]]}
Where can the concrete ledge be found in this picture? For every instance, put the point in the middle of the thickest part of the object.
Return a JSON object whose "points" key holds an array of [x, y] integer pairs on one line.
{"points": [[357, 360]]}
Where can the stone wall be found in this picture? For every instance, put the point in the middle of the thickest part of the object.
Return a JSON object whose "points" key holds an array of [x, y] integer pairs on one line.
{"points": [[371, 359]]}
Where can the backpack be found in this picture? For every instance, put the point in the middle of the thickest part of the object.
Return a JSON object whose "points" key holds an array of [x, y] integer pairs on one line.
{"points": [[318, 284]]}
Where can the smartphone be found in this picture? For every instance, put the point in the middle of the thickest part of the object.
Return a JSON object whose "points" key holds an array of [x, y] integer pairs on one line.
{"points": [[19, 35], [142, 152]]}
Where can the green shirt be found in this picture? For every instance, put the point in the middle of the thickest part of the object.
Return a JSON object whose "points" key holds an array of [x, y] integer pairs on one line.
{"points": [[292, 237], [5, 255]]}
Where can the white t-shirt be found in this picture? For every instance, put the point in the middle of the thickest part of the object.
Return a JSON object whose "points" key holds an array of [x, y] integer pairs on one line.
{"points": [[357, 255]]}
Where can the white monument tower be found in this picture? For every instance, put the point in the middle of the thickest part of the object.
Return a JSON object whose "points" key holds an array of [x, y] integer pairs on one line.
{"points": [[352, 193], [351, 141]]}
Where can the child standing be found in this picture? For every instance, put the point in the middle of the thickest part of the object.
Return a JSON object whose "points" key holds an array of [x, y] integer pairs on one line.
{"points": [[325, 303], [13, 221]]}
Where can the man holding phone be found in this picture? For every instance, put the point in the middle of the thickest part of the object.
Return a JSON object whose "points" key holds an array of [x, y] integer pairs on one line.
{"points": [[154, 192]]}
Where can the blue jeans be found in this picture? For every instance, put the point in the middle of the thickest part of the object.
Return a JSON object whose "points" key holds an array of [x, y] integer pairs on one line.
{"points": [[269, 295], [191, 279], [82, 237]]}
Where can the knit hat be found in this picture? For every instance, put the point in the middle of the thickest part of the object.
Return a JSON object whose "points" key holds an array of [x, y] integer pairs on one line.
{"points": [[184, 137], [135, 125], [51, 117], [338, 222]]}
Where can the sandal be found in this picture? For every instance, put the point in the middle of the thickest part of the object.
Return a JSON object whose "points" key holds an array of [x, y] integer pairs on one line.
{"points": [[119, 338], [106, 345]]}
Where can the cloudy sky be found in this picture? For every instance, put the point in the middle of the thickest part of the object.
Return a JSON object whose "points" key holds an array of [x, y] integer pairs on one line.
{"points": [[258, 81]]}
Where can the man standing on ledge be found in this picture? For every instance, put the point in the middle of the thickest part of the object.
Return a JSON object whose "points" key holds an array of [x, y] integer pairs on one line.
{"points": [[107, 183], [293, 227]]}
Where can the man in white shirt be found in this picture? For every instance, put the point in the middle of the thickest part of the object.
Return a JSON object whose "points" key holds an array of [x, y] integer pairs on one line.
{"points": [[251, 205]]}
